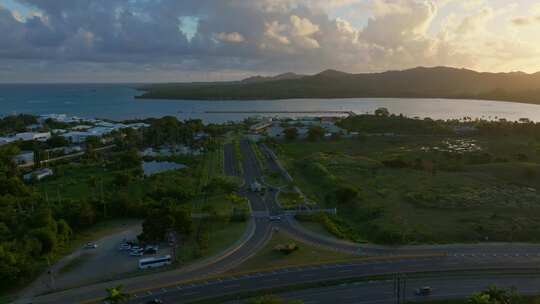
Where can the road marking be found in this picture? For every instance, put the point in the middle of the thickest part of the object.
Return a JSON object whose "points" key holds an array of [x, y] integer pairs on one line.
{"points": [[163, 290], [191, 293], [179, 287], [149, 293]]}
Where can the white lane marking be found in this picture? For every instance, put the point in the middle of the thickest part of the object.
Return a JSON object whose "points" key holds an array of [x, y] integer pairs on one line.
{"points": [[190, 293]]}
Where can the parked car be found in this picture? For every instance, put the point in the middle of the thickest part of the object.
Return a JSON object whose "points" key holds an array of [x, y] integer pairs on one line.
{"points": [[423, 291], [136, 253], [124, 247], [90, 246]]}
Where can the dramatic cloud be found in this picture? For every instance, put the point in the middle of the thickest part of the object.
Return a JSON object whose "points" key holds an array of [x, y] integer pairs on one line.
{"points": [[168, 40]]}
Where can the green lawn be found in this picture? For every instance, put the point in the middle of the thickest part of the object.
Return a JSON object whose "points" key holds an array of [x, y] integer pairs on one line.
{"points": [[438, 197], [222, 235], [275, 179], [268, 257], [290, 199]]}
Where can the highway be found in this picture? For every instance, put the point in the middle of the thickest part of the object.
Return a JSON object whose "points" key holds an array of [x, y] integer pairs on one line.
{"points": [[189, 292], [177, 286], [371, 292]]}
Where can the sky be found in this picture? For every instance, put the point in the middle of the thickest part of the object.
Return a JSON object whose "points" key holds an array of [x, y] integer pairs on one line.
{"points": [[200, 40]]}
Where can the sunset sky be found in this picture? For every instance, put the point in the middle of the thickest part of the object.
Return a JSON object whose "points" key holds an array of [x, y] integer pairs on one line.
{"points": [[191, 40]]}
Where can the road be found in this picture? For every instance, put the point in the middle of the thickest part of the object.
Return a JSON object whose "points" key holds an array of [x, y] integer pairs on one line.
{"points": [[371, 292], [169, 286], [189, 292], [259, 231]]}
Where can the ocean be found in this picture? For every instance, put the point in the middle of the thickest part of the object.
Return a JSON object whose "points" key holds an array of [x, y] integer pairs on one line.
{"points": [[118, 102]]}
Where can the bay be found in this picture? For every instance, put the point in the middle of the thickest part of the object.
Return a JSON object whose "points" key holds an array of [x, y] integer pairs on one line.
{"points": [[118, 102]]}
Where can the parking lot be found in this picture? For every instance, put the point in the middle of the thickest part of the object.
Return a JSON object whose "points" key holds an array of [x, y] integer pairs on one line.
{"points": [[105, 262]]}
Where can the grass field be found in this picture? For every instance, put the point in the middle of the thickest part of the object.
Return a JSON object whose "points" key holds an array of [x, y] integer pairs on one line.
{"points": [[306, 254], [222, 235], [211, 166], [275, 179], [424, 189]]}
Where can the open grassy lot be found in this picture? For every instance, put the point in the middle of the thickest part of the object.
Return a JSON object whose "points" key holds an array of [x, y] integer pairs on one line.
{"points": [[269, 257], [221, 236], [424, 189]]}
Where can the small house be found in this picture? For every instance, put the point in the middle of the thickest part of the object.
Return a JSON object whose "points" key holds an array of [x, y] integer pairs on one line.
{"points": [[38, 174]]}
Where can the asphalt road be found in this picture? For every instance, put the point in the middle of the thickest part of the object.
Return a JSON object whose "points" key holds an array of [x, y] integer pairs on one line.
{"points": [[371, 292], [460, 257], [260, 233], [186, 293]]}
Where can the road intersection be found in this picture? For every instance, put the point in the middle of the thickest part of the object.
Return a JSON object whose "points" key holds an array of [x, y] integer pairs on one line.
{"points": [[192, 283]]}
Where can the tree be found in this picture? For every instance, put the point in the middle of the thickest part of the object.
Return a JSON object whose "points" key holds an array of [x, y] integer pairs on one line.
{"points": [[291, 133], [315, 133], [382, 112], [57, 141], [115, 295], [346, 194], [495, 295]]}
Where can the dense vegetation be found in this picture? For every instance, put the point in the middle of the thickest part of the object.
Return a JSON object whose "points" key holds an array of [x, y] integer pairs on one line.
{"points": [[437, 82], [39, 219], [423, 183]]}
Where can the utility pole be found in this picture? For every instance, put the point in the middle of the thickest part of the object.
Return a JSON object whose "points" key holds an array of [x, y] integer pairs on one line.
{"points": [[400, 288], [51, 274], [103, 201]]}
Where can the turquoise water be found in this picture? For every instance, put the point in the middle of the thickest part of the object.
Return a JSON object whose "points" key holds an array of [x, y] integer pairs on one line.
{"points": [[118, 102]]}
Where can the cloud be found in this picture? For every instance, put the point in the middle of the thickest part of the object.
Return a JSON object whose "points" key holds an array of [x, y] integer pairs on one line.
{"points": [[234, 37], [239, 37]]}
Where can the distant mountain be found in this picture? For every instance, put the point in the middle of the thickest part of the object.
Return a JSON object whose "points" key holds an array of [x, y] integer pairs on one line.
{"points": [[421, 82]]}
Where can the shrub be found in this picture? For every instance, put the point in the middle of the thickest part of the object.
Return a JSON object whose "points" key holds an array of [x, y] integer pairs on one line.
{"points": [[286, 248]]}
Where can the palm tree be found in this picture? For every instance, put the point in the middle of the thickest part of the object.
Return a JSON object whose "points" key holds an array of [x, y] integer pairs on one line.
{"points": [[115, 295]]}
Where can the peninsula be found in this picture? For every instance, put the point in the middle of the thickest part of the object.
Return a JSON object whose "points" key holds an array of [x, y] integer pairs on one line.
{"points": [[421, 82]]}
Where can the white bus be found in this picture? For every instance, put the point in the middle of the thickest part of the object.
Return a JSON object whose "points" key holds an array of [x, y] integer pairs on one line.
{"points": [[154, 262]]}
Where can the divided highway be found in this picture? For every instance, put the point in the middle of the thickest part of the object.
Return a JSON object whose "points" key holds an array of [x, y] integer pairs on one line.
{"points": [[176, 286]]}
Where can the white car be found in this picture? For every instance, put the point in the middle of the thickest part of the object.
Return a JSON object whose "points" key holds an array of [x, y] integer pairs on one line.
{"points": [[124, 247], [138, 252], [90, 246]]}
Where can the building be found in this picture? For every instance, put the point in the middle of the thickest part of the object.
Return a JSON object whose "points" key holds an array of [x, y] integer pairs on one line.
{"points": [[38, 174], [6, 140], [77, 137], [260, 127], [26, 136], [25, 158]]}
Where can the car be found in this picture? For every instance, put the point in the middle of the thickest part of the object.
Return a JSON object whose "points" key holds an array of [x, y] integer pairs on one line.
{"points": [[136, 253], [275, 218], [90, 246], [155, 301], [124, 247], [423, 291]]}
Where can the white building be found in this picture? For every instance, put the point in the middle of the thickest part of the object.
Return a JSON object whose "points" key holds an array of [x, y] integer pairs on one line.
{"points": [[38, 175], [26, 136], [25, 158], [6, 140]]}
